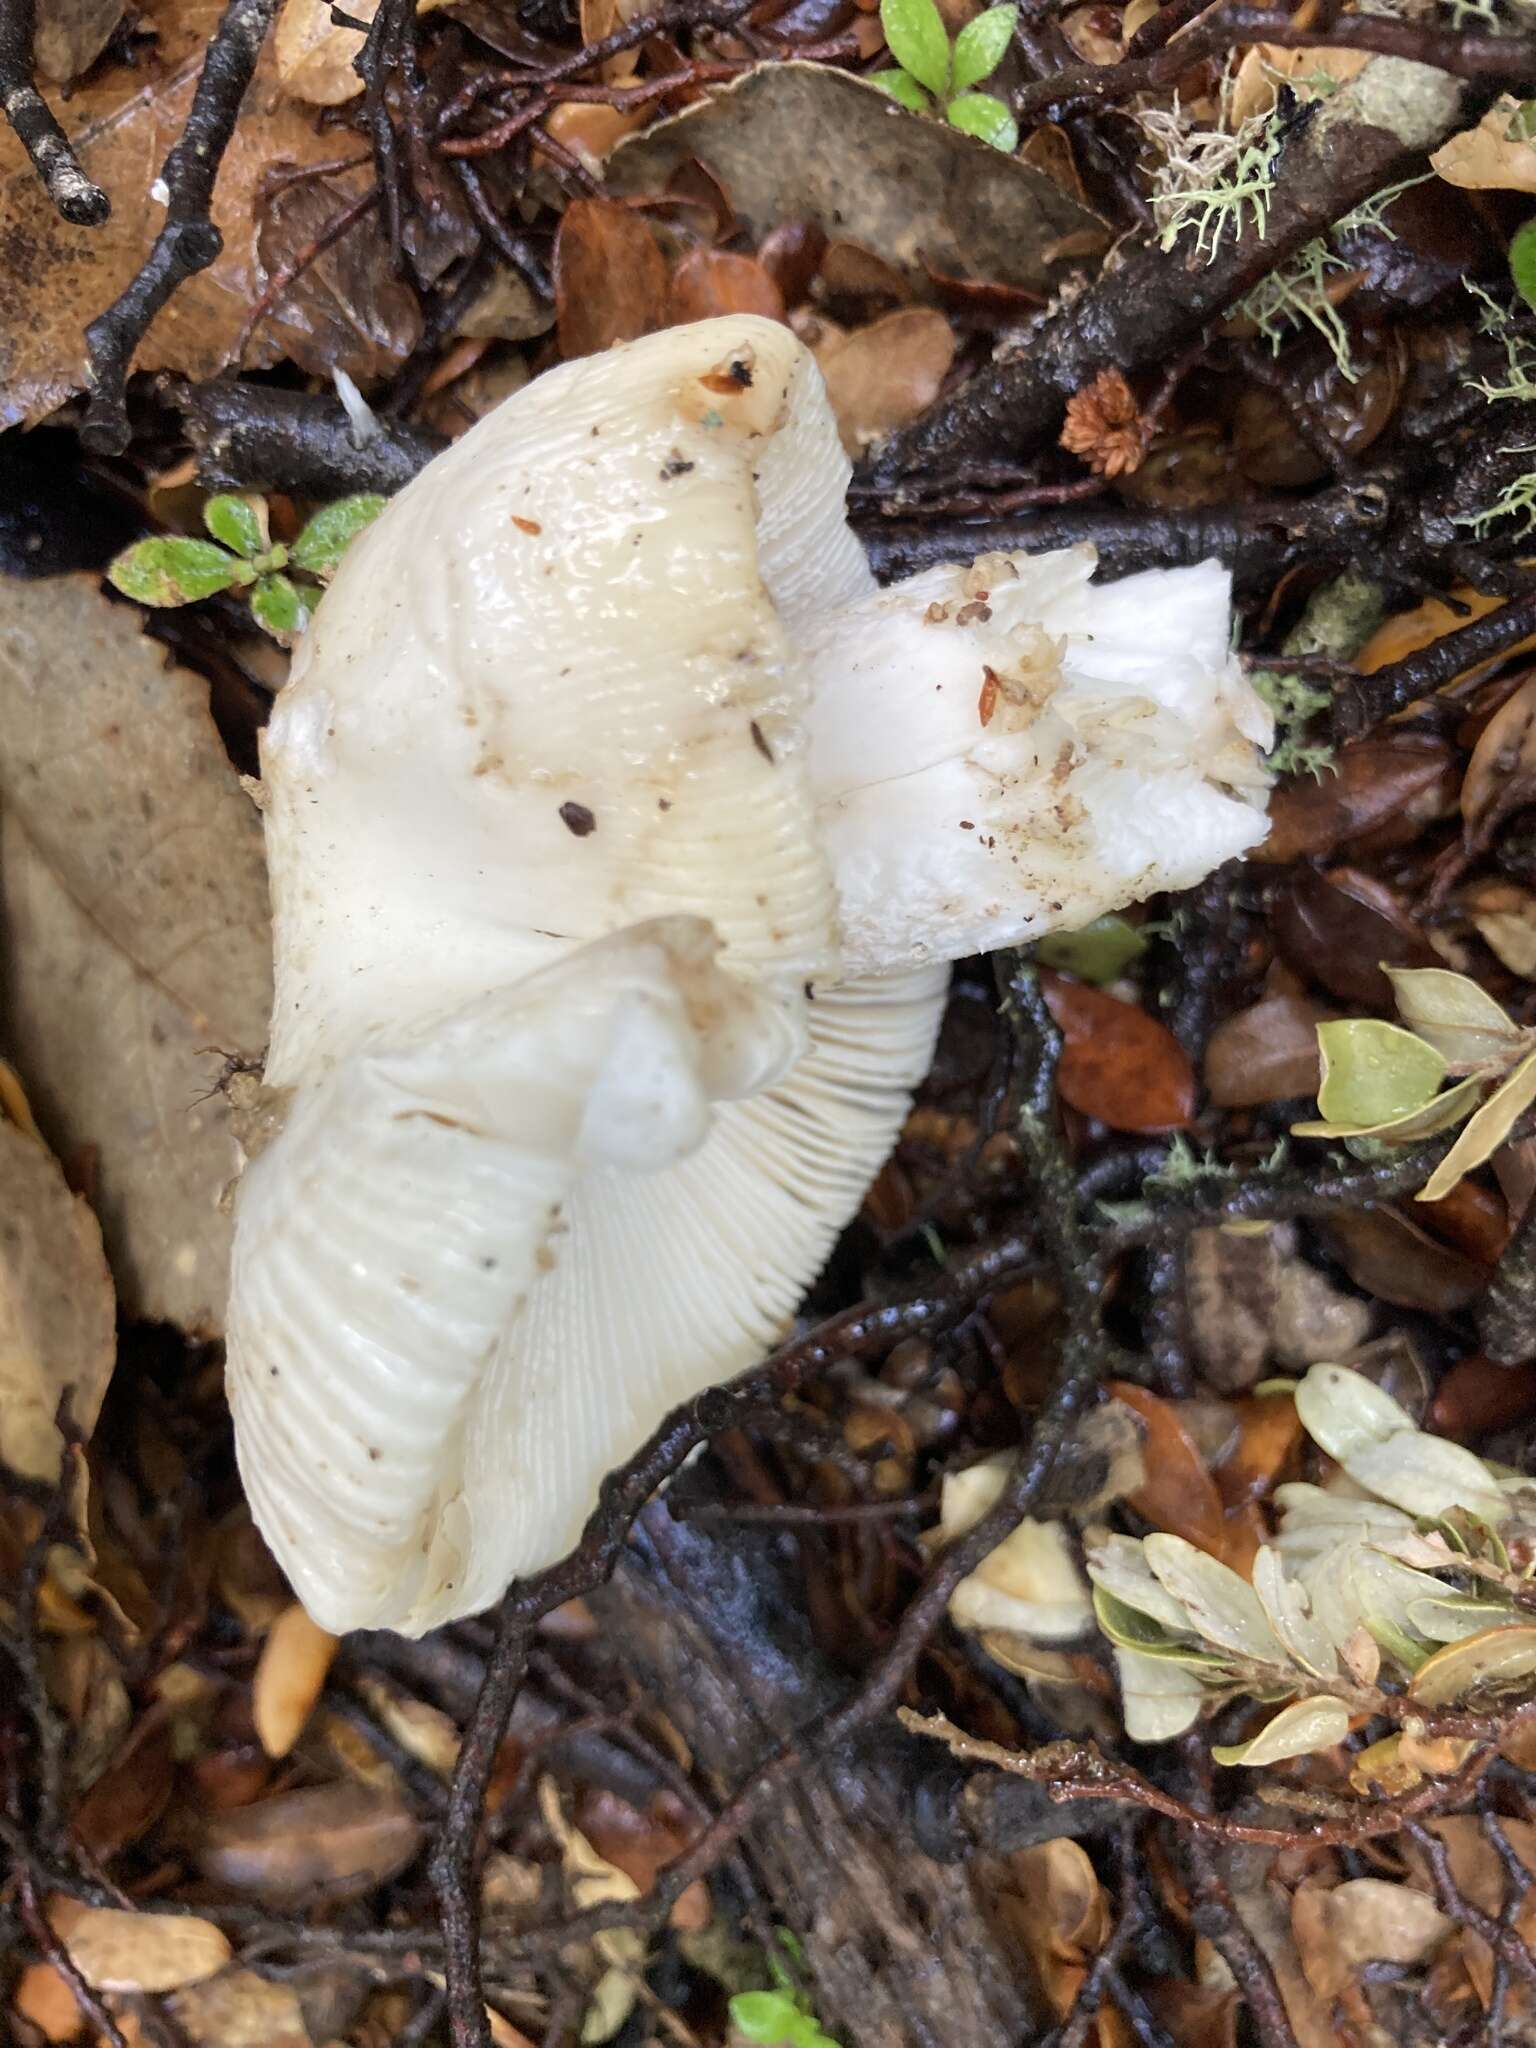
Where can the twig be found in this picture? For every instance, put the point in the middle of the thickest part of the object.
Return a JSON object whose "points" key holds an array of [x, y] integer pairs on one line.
{"points": [[72, 192], [1369, 700], [188, 241], [91, 2008], [1506, 1314]]}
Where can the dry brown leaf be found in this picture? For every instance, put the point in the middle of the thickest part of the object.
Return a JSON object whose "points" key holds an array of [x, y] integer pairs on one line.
{"points": [[1266, 1053], [1488, 157], [1267, 65], [1365, 1920], [1479, 1875], [1386, 1255], [238, 2009], [712, 281], [610, 277], [136, 944], [315, 54], [1406, 779], [122, 124], [864, 170], [1501, 775], [45, 2001], [57, 1313], [348, 309], [324, 1841], [883, 377], [122, 1951], [1505, 917], [71, 35], [290, 1677], [1178, 1493]]}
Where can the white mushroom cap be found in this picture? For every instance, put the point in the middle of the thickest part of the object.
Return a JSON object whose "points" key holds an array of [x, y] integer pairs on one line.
{"points": [[551, 1166]]}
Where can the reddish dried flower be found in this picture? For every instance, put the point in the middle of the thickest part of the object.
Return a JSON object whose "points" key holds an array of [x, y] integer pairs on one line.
{"points": [[1105, 427]]}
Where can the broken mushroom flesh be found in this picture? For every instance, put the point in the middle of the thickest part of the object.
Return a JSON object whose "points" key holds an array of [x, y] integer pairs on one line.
{"points": [[612, 821]]}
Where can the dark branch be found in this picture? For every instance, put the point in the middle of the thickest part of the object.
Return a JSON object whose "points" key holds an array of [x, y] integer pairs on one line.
{"points": [[39, 134], [188, 241]]}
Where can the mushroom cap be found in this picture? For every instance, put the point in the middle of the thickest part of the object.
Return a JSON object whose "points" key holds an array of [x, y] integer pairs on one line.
{"points": [[1004, 750]]}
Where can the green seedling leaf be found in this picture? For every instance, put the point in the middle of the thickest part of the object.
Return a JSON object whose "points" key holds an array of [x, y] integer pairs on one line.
{"points": [[917, 39], [1296, 1731], [1438, 1114], [902, 88], [279, 607], [1485, 1132], [982, 45], [320, 547], [1374, 1073], [1103, 950], [765, 2016], [979, 114], [1522, 262], [171, 571], [240, 521], [1453, 1015]]}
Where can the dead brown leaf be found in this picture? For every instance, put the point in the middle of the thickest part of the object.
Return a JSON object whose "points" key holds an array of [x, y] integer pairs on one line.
{"points": [[45, 2001], [1489, 157], [1267, 1053], [122, 124], [1501, 776], [238, 2009], [1365, 1920], [122, 1951], [315, 54], [1406, 779], [1117, 1063], [290, 1677], [1388, 1256], [57, 1313], [712, 281], [864, 170], [135, 936], [325, 1841], [1505, 917], [885, 376], [610, 277], [71, 35], [347, 309]]}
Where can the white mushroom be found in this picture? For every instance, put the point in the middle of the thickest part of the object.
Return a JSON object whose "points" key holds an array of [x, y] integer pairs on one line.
{"points": [[620, 832]]}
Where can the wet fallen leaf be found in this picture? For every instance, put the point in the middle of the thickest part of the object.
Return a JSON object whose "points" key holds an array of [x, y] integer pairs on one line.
{"points": [[132, 1792], [1472, 1218], [1117, 1063], [1504, 915], [57, 1313], [610, 277], [1386, 1255], [238, 2009], [863, 170], [45, 2001], [1364, 1920], [639, 1844], [1335, 929], [290, 1676], [1266, 1053], [1490, 156], [1479, 1874], [1267, 66], [315, 54], [712, 281], [122, 123], [791, 254], [123, 1951], [1477, 1396], [1405, 781], [1178, 1494], [325, 1841], [1409, 631], [346, 309], [594, 1881], [71, 34], [884, 376], [1501, 775], [135, 931]]}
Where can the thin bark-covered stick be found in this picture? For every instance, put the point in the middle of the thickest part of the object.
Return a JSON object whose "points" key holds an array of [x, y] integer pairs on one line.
{"points": [[1366, 703], [188, 241], [82, 203], [1506, 1315], [1154, 304]]}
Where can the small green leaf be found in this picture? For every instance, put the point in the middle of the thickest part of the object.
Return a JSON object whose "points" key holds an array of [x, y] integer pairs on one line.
{"points": [[979, 114], [1101, 951], [1453, 1015], [766, 2016], [240, 521], [1374, 1072], [320, 547], [279, 607], [1522, 262], [1296, 1731], [1499, 1658], [1485, 1132], [982, 45], [1438, 1114], [902, 88], [170, 571], [1522, 123], [917, 39]]}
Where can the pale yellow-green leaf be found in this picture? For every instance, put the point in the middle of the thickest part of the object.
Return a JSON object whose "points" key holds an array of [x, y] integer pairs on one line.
{"points": [[1455, 1618], [1160, 1699], [1118, 1566], [1501, 1657], [1343, 1411], [1426, 1475], [1297, 1730], [1224, 1608], [1453, 1014], [1438, 1114], [1486, 1131], [1374, 1072], [1289, 1612]]}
